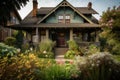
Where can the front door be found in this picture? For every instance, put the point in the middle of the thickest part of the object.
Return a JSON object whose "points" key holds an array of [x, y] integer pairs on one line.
{"points": [[61, 42], [60, 36]]}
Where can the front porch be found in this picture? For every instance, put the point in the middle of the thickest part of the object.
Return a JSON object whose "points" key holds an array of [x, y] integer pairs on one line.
{"points": [[83, 36]]}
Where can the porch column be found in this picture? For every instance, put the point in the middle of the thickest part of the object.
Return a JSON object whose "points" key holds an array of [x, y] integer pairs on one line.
{"points": [[37, 35], [47, 34], [71, 34], [97, 36]]}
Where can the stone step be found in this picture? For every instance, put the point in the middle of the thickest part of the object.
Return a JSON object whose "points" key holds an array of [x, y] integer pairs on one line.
{"points": [[59, 52]]}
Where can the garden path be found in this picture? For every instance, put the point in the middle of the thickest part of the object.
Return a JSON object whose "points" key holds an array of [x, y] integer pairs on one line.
{"points": [[59, 55]]}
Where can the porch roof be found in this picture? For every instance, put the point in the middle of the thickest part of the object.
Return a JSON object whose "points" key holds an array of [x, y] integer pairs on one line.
{"points": [[54, 25]]}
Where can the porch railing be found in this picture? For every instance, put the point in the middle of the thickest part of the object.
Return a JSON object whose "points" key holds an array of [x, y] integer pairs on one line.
{"points": [[86, 44]]}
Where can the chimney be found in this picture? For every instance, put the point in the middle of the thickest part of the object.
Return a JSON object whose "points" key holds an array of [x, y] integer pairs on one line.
{"points": [[90, 5], [35, 5]]}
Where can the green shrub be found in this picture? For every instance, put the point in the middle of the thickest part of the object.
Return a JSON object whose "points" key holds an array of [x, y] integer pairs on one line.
{"points": [[19, 39], [92, 49], [25, 47], [23, 67], [73, 50], [46, 49], [72, 45], [46, 55], [10, 41], [70, 54], [99, 66], [6, 50], [58, 72], [46, 45]]}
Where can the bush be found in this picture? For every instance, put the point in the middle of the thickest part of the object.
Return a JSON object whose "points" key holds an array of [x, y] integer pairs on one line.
{"points": [[70, 54], [45, 49], [23, 67], [100, 66], [92, 49], [25, 47], [7, 51], [58, 72], [73, 50], [19, 39], [10, 41], [72, 45]]}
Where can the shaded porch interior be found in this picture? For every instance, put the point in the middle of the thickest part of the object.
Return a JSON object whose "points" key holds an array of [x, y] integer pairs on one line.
{"points": [[83, 36]]}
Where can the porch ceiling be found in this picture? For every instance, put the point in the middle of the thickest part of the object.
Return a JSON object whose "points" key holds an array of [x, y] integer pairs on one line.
{"points": [[53, 25]]}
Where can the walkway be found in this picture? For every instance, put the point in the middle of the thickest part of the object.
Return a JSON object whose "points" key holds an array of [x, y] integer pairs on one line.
{"points": [[59, 55]]}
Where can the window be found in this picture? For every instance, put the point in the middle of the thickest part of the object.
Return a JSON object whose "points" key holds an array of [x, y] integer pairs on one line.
{"points": [[67, 19], [64, 18], [14, 20], [60, 19]]}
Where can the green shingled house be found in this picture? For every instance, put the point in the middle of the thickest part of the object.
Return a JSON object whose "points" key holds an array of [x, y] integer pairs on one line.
{"points": [[61, 23]]}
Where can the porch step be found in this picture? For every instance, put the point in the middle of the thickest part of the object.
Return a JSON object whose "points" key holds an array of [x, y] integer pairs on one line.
{"points": [[59, 53]]}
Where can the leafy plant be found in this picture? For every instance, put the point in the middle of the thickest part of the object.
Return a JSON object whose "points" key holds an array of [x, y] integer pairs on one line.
{"points": [[73, 50], [110, 21], [70, 54], [25, 47], [19, 39], [6, 50], [58, 72], [99, 66], [92, 49], [23, 67], [72, 45], [10, 41], [45, 49]]}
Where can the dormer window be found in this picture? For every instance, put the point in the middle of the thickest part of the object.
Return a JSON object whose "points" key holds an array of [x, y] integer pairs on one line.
{"points": [[60, 19], [64, 18], [67, 18]]}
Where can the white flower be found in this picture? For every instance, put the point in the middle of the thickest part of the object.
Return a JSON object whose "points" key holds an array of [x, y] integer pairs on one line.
{"points": [[46, 55], [18, 50], [93, 65], [31, 49], [44, 52]]}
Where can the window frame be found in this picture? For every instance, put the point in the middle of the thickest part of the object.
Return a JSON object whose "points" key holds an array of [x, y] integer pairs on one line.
{"points": [[67, 18], [60, 18]]}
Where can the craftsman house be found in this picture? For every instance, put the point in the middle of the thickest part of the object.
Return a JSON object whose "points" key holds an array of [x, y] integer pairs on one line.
{"points": [[60, 24]]}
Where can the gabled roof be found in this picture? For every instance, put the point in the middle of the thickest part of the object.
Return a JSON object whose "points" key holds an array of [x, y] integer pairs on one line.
{"points": [[64, 3], [83, 10]]}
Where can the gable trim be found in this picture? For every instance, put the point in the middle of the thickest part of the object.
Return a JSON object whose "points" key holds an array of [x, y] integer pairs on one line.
{"points": [[68, 4]]}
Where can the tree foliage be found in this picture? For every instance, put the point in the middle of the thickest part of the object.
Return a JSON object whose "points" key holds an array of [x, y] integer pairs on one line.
{"points": [[7, 6], [110, 36]]}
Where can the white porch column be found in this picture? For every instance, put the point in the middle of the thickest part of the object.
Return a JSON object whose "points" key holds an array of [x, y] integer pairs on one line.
{"points": [[97, 37], [10, 34], [47, 34], [36, 37], [71, 34]]}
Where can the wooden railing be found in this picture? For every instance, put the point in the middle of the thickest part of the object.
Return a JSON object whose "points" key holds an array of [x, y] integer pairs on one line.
{"points": [[83, 44]]}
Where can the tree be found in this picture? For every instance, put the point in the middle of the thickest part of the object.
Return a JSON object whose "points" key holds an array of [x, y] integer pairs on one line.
{"points": [[7, 6], [19, 39], [110, 36]]}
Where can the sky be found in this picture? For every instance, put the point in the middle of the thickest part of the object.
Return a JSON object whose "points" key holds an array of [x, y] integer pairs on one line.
{"points": [[98, 5]]}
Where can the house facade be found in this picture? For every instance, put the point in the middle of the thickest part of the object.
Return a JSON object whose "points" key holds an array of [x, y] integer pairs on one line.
{"points": [[7, 32], [61, 24]]}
